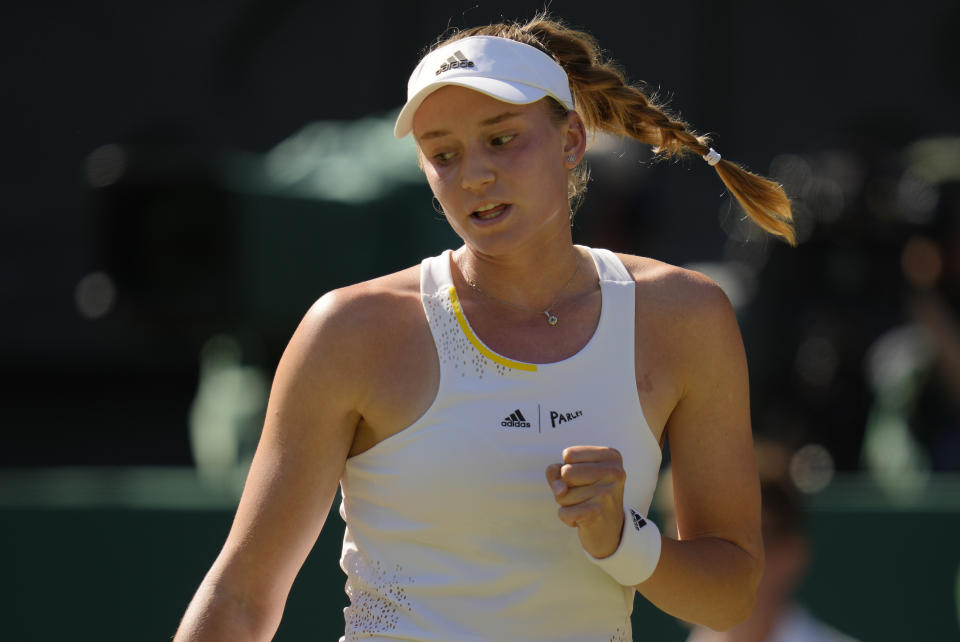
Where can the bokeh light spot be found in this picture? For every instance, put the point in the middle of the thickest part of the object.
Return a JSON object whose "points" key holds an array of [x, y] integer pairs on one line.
{"points": [[95, 295], [921, 262], [105, 165], [812, 468], [824, 198], [793, 171], [917, 199]]}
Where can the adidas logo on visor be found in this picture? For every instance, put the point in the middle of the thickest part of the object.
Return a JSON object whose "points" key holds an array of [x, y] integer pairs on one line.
{"points": [[456, 61]]}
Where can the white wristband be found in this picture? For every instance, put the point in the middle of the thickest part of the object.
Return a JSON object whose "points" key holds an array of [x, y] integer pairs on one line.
{"points": [[636, 558]]}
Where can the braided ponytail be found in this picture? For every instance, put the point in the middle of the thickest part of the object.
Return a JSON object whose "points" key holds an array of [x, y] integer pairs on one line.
{"points": [[607, 103]]}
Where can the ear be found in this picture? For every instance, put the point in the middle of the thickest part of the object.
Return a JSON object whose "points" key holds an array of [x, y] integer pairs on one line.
{"points": [[574, 139]]}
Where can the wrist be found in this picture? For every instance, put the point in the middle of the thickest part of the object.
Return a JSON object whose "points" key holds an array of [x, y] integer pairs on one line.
{"points": [[638, 553]]}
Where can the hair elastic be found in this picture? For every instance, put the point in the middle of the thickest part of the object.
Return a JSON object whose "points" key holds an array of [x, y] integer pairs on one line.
{"points": [[712, 157]]}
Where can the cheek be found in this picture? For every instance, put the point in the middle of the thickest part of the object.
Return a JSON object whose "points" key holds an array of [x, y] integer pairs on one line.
{"points": [[437, 180], [442, 185], [433, 173], [536, 160]]}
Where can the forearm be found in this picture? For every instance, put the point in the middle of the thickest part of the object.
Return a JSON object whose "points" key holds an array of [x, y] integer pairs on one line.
{"points": [[215, 615], [707, 581]]}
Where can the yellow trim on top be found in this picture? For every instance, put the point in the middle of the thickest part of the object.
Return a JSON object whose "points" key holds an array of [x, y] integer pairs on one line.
{"points": [[484, 350]]}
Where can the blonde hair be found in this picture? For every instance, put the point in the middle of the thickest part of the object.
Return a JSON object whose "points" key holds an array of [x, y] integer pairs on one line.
{"points": [[608, 103]]}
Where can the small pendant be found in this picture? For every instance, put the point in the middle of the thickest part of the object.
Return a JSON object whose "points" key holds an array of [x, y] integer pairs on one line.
{"points": [[551, 318]]}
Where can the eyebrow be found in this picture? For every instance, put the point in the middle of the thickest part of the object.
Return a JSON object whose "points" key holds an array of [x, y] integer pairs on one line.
{"points": [[439, 133]]}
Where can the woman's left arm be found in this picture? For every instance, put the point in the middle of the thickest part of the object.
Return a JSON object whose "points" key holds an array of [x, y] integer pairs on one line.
{"points": [[710, 575]]}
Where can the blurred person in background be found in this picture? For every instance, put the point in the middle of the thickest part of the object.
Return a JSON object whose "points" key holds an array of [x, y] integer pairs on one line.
{"points": [[777, 615], [495, 430], [913, 427]]}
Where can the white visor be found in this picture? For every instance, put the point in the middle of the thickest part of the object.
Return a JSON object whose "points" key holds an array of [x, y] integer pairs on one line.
{"points": [[499, 67]]}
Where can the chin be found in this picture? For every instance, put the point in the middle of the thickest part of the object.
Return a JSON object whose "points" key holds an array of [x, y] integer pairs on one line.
{"points": [[497, 244]]}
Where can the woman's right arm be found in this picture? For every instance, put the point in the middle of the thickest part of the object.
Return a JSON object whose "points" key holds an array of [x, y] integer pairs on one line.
{"points": [[309, 427]]}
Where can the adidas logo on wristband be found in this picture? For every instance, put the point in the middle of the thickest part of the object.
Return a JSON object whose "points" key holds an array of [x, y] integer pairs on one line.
{"points": [[636, 558]]}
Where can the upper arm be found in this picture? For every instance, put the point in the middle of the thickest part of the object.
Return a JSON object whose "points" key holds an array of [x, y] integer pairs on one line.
{"points": [[716, 489], [309, 426]]}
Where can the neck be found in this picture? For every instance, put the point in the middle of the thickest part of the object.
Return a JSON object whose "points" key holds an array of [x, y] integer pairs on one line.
{"points": [[531, 277]]}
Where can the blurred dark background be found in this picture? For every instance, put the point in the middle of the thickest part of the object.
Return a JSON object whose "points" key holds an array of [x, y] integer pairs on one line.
{"points": [[137, 222], [182, 180]]}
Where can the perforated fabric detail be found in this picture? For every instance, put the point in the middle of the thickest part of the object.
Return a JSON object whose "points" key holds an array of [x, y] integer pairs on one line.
{"points": [[377, 594], [453, 348]]}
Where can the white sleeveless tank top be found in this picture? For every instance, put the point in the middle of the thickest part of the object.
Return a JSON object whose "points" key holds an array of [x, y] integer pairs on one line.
{"points": [[452, 530]]}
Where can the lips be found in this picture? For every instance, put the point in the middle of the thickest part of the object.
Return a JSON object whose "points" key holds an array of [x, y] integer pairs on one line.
{"points": [[489, 211]]}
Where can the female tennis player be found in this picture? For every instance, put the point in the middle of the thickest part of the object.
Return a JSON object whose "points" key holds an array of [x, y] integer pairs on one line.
{"points": [[494, 416]]}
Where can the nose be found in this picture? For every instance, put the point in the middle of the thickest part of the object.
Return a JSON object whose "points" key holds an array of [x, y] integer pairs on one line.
{"points": [[476, 170]]}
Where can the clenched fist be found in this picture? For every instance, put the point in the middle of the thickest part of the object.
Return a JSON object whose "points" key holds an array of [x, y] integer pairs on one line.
{"points": [[588, 485]]}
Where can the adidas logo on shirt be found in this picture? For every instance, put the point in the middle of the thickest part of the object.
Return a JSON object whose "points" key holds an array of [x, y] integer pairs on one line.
{"points": [[515, 420], [456, 61]]}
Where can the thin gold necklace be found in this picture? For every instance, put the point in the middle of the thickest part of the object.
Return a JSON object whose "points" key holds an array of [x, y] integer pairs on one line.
{"points": [[551, 316]]}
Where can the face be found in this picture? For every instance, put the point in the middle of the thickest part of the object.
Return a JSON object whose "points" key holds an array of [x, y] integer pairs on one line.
{"points": [[499, 170]]}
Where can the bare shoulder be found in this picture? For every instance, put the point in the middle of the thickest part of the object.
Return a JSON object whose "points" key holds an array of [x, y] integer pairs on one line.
{"points": [[369, 345], [359, 302], [680, 293], [359, 316], [685, 331]]}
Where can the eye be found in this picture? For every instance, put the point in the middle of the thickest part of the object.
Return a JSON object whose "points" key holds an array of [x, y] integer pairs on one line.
{"points": [[500, 141], [443, 158]]}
